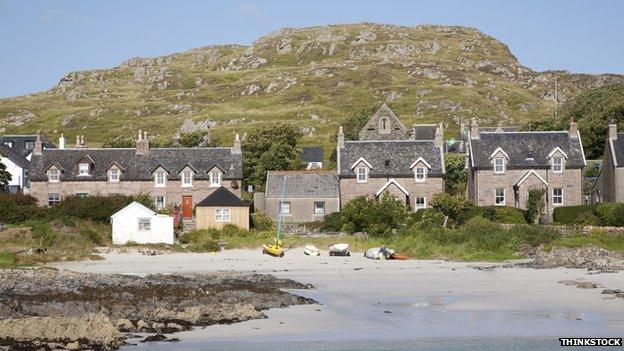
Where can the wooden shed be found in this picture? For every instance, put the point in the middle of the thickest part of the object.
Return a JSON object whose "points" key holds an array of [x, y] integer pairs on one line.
{"points": [[222, 207]]}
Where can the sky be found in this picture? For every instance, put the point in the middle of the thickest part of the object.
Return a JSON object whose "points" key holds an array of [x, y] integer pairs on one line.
{"points": [[41, 41]]}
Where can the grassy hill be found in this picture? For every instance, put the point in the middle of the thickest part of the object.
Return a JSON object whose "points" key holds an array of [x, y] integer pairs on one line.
{"points": [[313, 77]]}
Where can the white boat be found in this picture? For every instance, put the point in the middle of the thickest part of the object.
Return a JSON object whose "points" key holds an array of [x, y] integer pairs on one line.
{"points": [[379, 253], [311, 250], [339, 249]]}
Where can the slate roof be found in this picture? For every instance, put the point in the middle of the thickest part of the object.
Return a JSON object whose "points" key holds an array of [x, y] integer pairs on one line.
{"points": [[19, 143], [303, 184], [424, 131], [222, 197], [400, 154], [526, 149], [15, 157], [312, 154], [138, 167], [618, 150]]}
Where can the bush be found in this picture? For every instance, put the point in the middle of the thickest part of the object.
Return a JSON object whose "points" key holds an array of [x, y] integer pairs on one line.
{"points": [[95, 208], [16, 208], [534, 205], [375, 217], [261, 221], [429, 218], [534, 235], [456, 207], [610, 214], [569, 214], [503, 214]]}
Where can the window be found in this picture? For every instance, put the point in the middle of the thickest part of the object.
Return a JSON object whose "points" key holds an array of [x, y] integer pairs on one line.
{"points": [[420, 174], [557, 196], [113, 175], [160, 202], [83, 169], [82, 195], [362, 174], [285, 208], [222, 215], [30, 145], [215, 178], [499, 165], [160, 178], [8, 143], [187, 178], [499, 198], [145, 224], [420, 203], [383, 125], [53, 198], [54, 175], [557, 164], [319, 208]]}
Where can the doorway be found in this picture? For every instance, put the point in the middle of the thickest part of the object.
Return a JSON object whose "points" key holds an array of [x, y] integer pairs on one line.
{"points": [[187, 206]]}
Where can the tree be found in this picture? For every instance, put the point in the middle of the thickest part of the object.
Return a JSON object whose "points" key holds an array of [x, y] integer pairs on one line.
{"points": [[534, 205], [5, 176], [377, 217], [455, 207], [118, 142], [456, 174], [268, 148]]}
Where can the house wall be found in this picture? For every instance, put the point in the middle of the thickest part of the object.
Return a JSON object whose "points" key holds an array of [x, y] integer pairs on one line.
{"points": [[205, 217], [350, 188], [608, 188], [126, 228], [301, 209], [486, 181], [173, 191], [17, 173]]}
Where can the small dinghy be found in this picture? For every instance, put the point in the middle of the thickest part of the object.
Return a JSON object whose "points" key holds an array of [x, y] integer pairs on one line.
{"points": [[339, 249], [379, 253], [311, 250]]}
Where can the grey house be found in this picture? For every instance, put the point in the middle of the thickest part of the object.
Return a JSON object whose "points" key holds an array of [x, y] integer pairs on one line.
{"points": [[308, 195], [610, 184], [313, 157], [503, 166]]}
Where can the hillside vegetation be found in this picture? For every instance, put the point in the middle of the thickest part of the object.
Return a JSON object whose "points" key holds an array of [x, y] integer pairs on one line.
{"points": [[313, 76]]}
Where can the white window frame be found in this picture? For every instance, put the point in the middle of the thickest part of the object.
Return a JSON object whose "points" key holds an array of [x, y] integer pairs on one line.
{"points": [[223, 215], [497, 196], [57, 175], [157, 179], [496, 165], [187, 175], [319, 210], [215, 178], [29, 145], [144, 224], [159, 205], [53, 199], [361, 171], [83, 169], [110, 175], [557, 167], [282, 207], [420, 177], [9, 144], [554, 196], [419, 206]]}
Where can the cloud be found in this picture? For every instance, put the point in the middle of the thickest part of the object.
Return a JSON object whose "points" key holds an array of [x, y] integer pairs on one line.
{"points": [[249, 10]]}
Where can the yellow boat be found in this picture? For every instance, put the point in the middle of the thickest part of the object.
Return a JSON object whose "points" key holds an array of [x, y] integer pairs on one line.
{"points": [[276, 249]]}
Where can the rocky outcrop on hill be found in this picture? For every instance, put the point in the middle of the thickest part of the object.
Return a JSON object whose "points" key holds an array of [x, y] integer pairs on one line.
{"points": [[43, 309]]}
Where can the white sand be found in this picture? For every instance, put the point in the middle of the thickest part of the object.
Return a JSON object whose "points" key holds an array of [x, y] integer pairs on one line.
{"points": [[365, 299]]}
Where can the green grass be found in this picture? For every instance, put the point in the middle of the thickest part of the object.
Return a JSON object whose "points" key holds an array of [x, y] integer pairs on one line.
{"points": [[7, 260], [608, 241]]}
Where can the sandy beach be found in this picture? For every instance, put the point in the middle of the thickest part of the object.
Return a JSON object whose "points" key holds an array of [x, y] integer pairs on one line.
{"points": [[362, 299]]}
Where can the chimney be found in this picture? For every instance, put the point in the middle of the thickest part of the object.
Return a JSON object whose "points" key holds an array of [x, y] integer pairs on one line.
{"points": [[38, 150], [82, 143], [77, 141], [61, 142], [474, 129], [142, 144], [463, 129], [612, 130], [237, 149], [341, 138], [439, 136], [573, 128]]}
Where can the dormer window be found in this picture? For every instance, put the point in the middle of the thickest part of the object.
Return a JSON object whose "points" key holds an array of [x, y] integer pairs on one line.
{"points": [[83, 169], [54, 175], [187, 178], [215, 178], [499, 165], [420, 174], [557, 164], [113, 175], [362, 174], [160, 178]]}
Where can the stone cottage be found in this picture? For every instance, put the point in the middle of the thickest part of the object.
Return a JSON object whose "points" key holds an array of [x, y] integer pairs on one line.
{"points": [[504, 165], [610, 184], [172, 176]]}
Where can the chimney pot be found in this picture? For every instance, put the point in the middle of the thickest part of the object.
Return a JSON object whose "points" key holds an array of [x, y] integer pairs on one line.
{"points": [[573, 131], [61, 142], [474, 129], [237, 148]]}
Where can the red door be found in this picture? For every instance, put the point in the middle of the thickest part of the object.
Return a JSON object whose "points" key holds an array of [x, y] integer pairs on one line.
{"points": [[187, 206]]}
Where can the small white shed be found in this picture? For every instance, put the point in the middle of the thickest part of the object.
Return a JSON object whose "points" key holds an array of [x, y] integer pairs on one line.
{"points": [[141, 225]]}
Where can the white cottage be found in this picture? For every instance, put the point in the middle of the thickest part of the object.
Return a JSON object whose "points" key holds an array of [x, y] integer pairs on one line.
{"points": [[137, 223]]}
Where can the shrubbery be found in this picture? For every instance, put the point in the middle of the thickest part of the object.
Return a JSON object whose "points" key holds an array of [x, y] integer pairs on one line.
{"points": [[603, 214], [375, 217], [261, 221], [19, 208], [455, 207], [499, 214]]}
